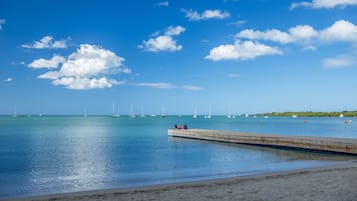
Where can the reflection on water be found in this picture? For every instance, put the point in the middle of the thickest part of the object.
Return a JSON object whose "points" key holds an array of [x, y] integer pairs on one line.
{"points": [[65, 154]]}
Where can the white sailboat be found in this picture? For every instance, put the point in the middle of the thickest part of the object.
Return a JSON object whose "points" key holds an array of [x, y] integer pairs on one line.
{"points": [[85, 112], [113, 111], [195, 113], [142, 112], [132, 115], [163, 115], [229, 115], [209, 112], [15, 113]]}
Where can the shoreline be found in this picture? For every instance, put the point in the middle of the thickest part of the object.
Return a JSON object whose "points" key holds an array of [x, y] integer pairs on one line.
{"points": [[335, 182]]}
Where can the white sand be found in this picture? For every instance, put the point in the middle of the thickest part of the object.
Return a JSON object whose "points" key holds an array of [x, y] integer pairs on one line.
{"points": [[334, 183]]}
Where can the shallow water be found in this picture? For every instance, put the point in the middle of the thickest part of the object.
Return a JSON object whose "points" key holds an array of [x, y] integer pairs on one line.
{"points": [[57, 154]]}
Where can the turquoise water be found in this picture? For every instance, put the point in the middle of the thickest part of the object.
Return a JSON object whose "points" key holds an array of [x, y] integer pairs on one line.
{"points": [[58, 154]]}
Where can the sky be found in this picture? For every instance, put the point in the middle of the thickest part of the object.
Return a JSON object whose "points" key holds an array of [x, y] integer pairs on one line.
{"points": [[239, 56]]}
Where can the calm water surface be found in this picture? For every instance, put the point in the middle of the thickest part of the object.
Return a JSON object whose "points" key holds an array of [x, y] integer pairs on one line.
{"points": [[57, 154]]}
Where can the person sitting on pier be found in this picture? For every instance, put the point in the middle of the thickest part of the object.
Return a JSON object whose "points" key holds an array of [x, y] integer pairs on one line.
{"points": [[175, 126], [185, 126]]}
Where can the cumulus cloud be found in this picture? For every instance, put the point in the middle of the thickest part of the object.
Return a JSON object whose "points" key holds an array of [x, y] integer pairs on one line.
{"points": [[163, 3], [272, 35], [159, 85], [87, 68], [317, 4], [2, 22], [47, 42], [340, 31], [205, 15], [241, 50], [54, 62], [340, 61], [165, 41], [305, 35], [192, 87], [302, 33], [9, 79]]}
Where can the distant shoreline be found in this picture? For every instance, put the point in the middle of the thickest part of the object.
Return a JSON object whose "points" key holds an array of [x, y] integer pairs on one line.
{"points": [[337, 182], [311, 114]]}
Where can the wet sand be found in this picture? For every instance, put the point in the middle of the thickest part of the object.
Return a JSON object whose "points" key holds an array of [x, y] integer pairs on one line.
{"points": [[331, 183]]}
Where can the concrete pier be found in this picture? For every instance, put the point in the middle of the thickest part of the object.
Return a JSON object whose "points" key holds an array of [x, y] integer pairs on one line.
{"points": [[339, 145]]}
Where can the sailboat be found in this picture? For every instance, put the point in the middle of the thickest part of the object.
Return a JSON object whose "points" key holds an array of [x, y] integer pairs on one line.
{"points": [[195, 113], [163, 115], [15, 113], [142, 112], [229, 115], [132, 115], [209, 112], [85, 112], [113, 112]]}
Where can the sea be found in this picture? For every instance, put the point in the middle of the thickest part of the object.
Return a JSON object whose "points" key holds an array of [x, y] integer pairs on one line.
{"points": [[42, 155]]}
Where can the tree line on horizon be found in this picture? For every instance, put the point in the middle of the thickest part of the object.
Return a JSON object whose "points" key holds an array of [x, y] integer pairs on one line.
{"points": [[312, 114]]}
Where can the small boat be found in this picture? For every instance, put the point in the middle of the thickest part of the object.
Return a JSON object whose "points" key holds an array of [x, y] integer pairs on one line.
{"points": [[142, 112], [132, 115], [15, 113], [194, 113], [163, 115], [209, 112], [113, 111], [85, 112]]}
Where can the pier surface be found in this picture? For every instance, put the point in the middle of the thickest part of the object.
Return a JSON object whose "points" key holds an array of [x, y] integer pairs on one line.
{"points": [[339, 145]]}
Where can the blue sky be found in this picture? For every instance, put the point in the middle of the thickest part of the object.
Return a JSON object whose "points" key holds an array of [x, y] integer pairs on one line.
{"points": [[240, 56]]}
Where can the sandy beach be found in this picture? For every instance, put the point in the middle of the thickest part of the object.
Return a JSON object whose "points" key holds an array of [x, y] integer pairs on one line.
{"points": [[338, 182]]}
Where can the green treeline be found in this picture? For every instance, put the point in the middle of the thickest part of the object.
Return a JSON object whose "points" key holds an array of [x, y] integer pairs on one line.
{"points": [[312, 114]]}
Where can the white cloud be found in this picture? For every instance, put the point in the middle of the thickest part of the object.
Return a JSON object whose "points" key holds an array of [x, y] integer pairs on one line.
{"points": [[47, 42], [238, 23], [159, 85], [9, 79], [86, 68], [241, 51], [205, 15], [174, 31], [306, 35], [302, 32], [2, 22], [44, 63], [164, 42], [192, 87], [233, 75], [316, 4], [340, 61], [340, 31], [163, 3], [271, 35], [79, 83]]}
